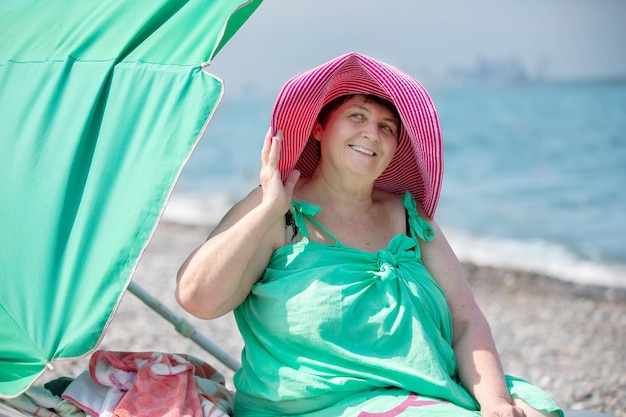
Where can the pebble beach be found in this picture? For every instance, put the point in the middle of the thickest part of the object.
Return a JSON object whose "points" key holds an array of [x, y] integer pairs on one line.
{"points": [[569, 339]]}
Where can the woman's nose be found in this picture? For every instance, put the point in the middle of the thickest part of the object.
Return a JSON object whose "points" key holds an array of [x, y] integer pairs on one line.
{"points": [[370, 131]]}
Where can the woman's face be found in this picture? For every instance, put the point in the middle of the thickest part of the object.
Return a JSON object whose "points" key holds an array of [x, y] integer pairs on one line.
{"points": [[360, 136]]}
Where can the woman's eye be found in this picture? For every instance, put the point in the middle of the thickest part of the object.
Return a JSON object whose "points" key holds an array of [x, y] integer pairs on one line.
{"points": [[387, 129], [357, 116]]}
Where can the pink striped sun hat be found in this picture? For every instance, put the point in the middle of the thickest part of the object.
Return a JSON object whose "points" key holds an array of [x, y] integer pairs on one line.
{"points": [[417, 165]]}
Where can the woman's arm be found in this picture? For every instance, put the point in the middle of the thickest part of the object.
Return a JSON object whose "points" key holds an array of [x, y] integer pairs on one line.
{"points": [[220, 273], [478, 361]]}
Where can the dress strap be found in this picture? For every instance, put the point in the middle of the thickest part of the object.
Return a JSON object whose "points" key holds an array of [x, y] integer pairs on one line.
{"points": [[419, 228], [301, 210], [304, 209]]}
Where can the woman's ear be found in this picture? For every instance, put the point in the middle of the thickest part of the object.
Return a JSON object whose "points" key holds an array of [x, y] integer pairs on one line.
{"points": [[317, 129]]}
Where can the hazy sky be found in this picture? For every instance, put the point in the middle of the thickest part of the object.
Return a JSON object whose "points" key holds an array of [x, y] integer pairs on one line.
{"points": [[561, 38]]}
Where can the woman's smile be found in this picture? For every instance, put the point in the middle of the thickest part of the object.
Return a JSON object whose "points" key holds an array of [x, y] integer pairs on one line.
{"points": [[362, 150]]}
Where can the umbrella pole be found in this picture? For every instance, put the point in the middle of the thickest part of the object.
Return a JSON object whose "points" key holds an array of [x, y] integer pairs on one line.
{"points": [[184, 327]]}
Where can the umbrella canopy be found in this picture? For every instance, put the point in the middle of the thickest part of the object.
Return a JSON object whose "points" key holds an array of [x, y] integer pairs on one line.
{"points": [[101, 104]]}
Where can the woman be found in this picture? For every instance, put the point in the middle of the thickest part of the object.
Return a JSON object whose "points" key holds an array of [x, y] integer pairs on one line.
{"points": [[348, 297]]}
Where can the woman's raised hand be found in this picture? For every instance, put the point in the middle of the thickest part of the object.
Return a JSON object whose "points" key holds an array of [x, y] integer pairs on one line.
{"points": [[275, 191]]}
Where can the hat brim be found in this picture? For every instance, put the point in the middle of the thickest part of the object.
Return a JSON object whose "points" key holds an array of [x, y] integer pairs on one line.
{"points": [[416, 167]]}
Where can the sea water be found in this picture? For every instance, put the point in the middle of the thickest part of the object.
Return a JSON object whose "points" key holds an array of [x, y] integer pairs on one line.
{"points": [[534, 178]]}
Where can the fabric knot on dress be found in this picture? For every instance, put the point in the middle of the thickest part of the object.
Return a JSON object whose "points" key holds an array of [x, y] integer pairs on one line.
{"points": [[387, 259], [388, 262]]}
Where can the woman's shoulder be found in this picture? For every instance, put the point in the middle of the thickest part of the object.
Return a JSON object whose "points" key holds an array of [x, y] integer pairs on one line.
{"points": [[402, 202]]}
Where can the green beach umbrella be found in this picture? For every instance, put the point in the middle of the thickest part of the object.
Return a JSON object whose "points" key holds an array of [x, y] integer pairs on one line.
{"points": [[101, 104]]}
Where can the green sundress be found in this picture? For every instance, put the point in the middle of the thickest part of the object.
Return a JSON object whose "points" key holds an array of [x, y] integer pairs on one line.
{"points": [[334, 331]]}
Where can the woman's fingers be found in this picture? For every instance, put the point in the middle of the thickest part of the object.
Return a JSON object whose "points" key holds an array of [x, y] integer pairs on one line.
{"points": [[270, 154], [274, 189], [267, 143], [276, 146]]}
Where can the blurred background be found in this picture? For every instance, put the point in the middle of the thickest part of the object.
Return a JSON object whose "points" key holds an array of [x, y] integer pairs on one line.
{"points": [[438, 42], [532, 103]]}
